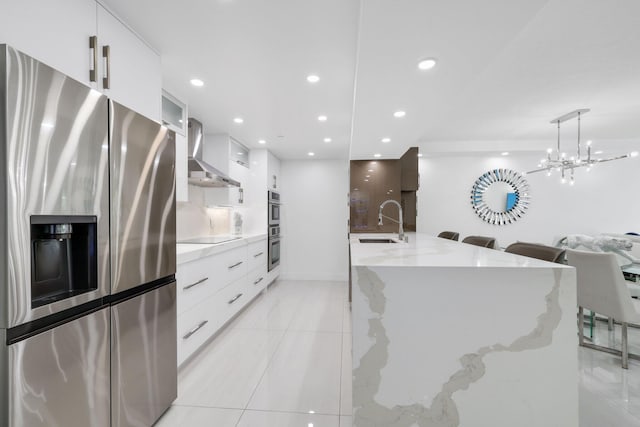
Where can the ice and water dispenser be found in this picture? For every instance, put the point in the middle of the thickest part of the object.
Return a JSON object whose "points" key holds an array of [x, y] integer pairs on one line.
{"points": [[63, 257]]}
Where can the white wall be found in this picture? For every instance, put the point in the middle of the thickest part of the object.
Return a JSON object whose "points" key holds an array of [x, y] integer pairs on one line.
{"points": [[606, 199], [314, 219]]}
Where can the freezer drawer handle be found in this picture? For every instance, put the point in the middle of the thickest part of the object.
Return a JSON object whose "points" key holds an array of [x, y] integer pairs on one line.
{"points": [[258, 254], [235, 265], [234, 299], [196, 283], [194, 330], [258, 281]]}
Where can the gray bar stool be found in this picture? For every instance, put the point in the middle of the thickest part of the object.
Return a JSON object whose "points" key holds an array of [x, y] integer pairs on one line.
{"points": [[534, 250], [482, 241], [451, 235]]}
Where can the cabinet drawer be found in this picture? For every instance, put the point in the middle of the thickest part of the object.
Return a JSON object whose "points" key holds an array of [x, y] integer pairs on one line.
{"points": [[257, 254], [196, 281], [195, 326], [231, 299], [257, 280], [231, 265]]}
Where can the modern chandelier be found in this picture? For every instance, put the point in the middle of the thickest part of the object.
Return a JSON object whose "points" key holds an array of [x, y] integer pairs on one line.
{"points": [[564, 164]]}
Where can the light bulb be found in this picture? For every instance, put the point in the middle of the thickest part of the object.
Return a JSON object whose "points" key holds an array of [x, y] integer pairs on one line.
{"points": [[634, 154], [549, 173], [549, 150], [571, 182], [563, 180]]}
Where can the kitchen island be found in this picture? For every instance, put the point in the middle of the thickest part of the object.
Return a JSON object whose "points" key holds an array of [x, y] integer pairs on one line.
{"points": [[448, 334]]}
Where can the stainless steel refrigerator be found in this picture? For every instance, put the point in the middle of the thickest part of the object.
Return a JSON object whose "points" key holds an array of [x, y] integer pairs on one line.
{"points": [[143, 266], [87, 311]]}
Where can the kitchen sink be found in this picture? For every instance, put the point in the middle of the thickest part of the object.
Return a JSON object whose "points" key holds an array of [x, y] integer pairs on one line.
{"points": [[377, 241]]}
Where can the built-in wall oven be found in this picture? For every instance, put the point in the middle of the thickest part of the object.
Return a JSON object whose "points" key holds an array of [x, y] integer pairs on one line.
{"points": [[274, 247], [274, 208], [274, 229]]}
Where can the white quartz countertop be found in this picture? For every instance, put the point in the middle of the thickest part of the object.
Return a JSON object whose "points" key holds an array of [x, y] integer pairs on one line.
{"points": [[424, 250], [186, 252]]}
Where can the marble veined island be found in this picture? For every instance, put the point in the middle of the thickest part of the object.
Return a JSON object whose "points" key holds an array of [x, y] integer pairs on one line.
{"points": [[449, 334]]}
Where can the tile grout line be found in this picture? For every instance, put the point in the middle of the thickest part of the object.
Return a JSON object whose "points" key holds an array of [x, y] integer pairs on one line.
{"points": [[341, 364], [271, 357]]}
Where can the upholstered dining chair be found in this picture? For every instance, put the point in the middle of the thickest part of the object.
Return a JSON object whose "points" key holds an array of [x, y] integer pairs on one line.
{"points": [[601, 288], [534, 250], [485, 242], [451, 235]]}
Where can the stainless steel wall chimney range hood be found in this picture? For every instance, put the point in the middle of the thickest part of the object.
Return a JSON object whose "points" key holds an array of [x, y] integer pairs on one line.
{"points": [[202, 173]]}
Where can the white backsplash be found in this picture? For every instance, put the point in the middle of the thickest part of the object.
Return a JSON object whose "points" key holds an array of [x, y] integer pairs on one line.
{"points": [[194, 219]]}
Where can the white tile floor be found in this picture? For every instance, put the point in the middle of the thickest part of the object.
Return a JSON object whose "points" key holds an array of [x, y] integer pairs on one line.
{"points": [[286, 362]]}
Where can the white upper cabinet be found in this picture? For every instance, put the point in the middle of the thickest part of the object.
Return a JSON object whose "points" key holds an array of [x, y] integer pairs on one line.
{"points": [[273, 172], [57, 33], [130, 70], [232, 158], [174, 116], [54, 32]]}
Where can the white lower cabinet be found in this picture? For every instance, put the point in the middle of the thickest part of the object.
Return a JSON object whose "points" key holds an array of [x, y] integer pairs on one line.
{"points": [[213, 289]]}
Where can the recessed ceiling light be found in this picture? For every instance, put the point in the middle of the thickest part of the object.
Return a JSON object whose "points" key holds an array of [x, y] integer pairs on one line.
{"points": [[238, 120], [322, 118], [427, 64], [386, 140], [399, 114], [377, 155], [370, 170], [327, 140], [197, 82], [367, 176], [262, 141], [312, 78], [366, 180], [505, 153], [419, 154], [311, 153], [599, 152]]}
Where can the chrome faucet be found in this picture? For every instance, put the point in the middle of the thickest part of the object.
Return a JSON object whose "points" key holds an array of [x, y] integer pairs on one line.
{"points": [[380, 216]]}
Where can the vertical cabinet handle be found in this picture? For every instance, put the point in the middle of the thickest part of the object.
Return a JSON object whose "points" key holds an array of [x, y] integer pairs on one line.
{"points": [[93, 69], [194, 330], [234, 299], [106, 54], [240, 195]]}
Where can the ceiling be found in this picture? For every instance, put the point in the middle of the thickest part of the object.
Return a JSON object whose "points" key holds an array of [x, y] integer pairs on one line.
{"points": [[505, 69]]}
